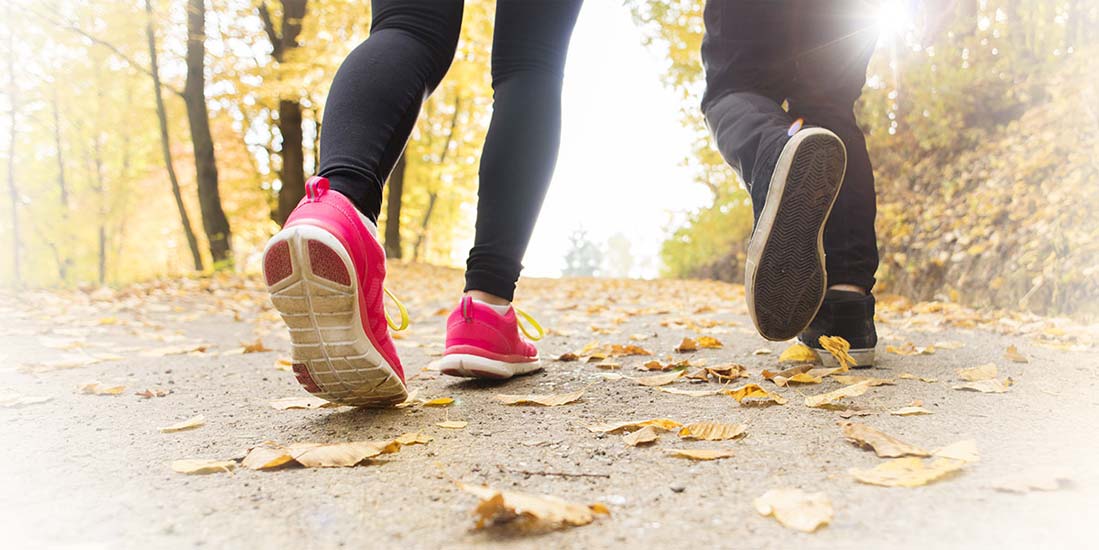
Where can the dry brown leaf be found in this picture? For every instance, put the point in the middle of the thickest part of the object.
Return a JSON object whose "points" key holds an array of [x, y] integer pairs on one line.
{"points": [[798, 353], [854, 390], [690, 393], [199, 466], [700, 454], [796, 509], [910, 376], [549, 400], [754, 391], [254, 347], [838, 347], [721, 373], [884, 445], [608, 365], [909, 348], [97, 388], [567, 357], [302, 402], [709, 342], [152, 392], [1012, 354], [439, 402], [852, 379], [617, 427], [413, 438], [713, 431], [660, 379], [189, 424], [782, 377], [762, 351], [452, 424], [339, 455], [980, 372], [266, 456], [645, 435], [529, 509], [687, 345], [986, 386], [910, 411]]}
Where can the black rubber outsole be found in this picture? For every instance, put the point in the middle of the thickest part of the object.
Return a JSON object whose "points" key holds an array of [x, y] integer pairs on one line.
{"points": [[790, 279]]}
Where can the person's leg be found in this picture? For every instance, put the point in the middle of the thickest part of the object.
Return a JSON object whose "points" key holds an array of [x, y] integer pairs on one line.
{"points": [[378, 91], [528, 62], [529, 47], [837, 40], [745, 53]]}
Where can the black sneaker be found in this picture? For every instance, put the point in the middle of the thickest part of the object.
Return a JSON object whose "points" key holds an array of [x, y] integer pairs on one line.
{"points": [[849, 315], [784, 275]]}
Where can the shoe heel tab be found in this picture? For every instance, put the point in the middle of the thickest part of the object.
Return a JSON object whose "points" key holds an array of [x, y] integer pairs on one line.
{"points": [[315, 188], [467, 308]]}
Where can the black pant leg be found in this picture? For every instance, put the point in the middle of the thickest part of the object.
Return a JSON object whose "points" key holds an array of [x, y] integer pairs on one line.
{"points": [[378, 91], [837, 39], [529, 48]]}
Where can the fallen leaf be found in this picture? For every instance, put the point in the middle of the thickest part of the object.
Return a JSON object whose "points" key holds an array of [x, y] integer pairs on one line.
{"points": [[700, 454], [987, 386], [909, 348], [851, 413], [266, 456], [616, 427], [709, 342], [96, 388], [1012, 354], [884, 445], [910, 376], [254, 347], [660, 379], [854, 390], [302, 402], [712, 431], [909, 471], [179, 349], [687, 345], [980, 372], [608, 365], [644, 435], [529, 509], [762, 351], [852, 379], [439, 402], [189, 424], [839, 348], [909, 411], [950, 344], [965, 451], [754, 391], [798, 375], [340, 455], [203, 466], [795, 509], [414, 438], [567, 357], [284, 364], [452, 424], [799, 353], [690, 393], [549, 400], [721, 373], [153, 392]]}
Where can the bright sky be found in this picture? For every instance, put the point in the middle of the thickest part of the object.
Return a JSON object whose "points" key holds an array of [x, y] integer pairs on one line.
{"points": [[622, 146]]}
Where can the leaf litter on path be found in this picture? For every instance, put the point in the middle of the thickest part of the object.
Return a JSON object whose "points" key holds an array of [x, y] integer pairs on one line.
{"points": [[838, 348], [547, 400], [191, 423], [648, 434], [631, 425], [660, 379], [829, 398], [914, 471], [269, 455], [753, 392], [713, 431], [798, 353], [98, 388], [200, 466], [978, 373], [795, 509], [699, 454], [986, 386], [884, 445], [302, 402], [529, 511], [910, 411]]}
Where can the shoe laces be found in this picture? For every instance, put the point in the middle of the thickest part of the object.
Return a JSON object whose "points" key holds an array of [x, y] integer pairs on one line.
{"points": [[521, 316], [404, 313]]}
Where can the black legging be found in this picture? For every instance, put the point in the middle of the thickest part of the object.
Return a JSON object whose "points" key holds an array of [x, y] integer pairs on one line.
{"points": [[377, 94]]}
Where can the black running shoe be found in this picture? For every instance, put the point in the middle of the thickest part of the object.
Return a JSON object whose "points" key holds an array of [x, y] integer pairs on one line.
{"points": [[784, 275], [849, 315]]}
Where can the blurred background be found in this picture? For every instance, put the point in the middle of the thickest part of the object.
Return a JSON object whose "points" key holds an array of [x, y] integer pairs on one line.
{"points": [[150, 138]]}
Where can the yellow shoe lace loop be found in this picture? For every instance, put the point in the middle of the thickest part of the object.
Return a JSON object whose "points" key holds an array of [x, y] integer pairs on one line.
{"points": [[404, 313], [524, 316]]}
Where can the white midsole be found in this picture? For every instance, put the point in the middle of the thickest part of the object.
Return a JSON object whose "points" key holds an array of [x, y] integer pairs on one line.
{"points": [[461, 364]]}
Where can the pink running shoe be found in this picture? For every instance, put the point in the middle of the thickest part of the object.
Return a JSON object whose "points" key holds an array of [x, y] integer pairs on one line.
{"points": [[481, 343], [324, 271]]}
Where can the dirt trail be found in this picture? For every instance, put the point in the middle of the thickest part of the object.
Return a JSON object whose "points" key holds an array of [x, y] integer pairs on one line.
{"points": [[91, 471]]}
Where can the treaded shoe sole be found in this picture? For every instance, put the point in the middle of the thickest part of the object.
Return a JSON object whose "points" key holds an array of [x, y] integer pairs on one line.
{"points": [[785, 276], [312, 284], [475, 366]]}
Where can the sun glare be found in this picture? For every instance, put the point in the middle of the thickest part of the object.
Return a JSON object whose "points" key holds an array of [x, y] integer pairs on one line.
{"points": [[894, 17]]}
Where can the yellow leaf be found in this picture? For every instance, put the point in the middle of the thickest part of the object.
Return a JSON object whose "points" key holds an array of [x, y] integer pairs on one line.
{"points": [[1012, 354], [852, 379], [254, 347], [549, 400], [980, 372], [339, 455], [831, 397], [965, 451], [754, 391], [660, 379], [266, 456], [452, 424], [644, 435], [529, 509], [284, 364], [712, 431], [795, 509], [700, 454], [439, 402], [567, 357], [910, 411], [798, 353], [908, 348], [687, 345], [413, 438], [910, 376], [96, 388], [884, 445], [986, 386], [302, 402], [201, 466], [616, 427], [691, 393], [709, 342], [838, 347], [909, 471], [189, 424]]}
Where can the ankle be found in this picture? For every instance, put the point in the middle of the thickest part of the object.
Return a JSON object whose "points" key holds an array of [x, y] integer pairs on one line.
{"points": [[491, 299], [848, 288]]}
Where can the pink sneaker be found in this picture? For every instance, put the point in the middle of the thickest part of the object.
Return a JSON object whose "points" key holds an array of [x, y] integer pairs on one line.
{"points": [[481, 343], [324, 271]]}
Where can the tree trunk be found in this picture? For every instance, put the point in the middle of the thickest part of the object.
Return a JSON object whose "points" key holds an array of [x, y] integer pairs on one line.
{"points": [[214, 221], [165, 139], [393, 209], [13, 192], [100, 190], [293, 158]]}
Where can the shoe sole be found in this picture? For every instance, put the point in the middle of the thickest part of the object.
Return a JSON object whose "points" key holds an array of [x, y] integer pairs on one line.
{"points": [[864, 358], [475, 366], [311, 280], [785, 276]]}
